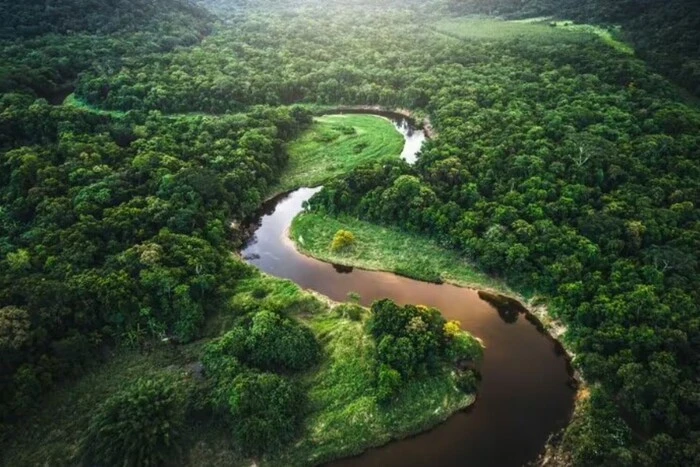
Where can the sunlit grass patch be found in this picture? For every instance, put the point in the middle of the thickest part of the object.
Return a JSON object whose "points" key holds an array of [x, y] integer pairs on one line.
{"points": [[385, 249], [334, 145]]}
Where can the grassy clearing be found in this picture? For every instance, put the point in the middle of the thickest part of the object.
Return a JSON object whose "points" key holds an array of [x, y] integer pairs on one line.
{"points": [[334, 145], [540, 29], [344, 417], [386, 249]]}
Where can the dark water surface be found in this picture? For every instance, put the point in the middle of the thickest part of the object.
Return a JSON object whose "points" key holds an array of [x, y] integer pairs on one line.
{"points": [[524, 394]]}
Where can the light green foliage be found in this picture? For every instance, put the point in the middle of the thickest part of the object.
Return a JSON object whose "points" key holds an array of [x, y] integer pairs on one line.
{"points": [[18, 260], [139, 426], [342, 240], [336, 144], [464, 348], [388, 383]]}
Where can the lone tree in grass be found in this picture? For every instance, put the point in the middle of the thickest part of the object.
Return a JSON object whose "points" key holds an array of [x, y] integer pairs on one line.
{"points": [[342, 240]]}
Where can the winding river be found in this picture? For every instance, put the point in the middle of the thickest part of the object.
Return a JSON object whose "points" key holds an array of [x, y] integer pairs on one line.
{"points": [[524, 395]]}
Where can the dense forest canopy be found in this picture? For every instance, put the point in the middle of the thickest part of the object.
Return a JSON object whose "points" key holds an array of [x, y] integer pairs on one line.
{"points": [[664, 32], [565, 166]]}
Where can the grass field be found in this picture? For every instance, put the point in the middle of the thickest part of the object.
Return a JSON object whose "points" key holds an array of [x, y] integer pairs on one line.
{"points": [[540, 30], [334, 145], [386, 249], [343, 419]]}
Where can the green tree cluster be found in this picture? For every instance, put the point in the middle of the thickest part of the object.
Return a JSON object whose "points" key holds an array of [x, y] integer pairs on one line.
{"points": [[414, 341]]}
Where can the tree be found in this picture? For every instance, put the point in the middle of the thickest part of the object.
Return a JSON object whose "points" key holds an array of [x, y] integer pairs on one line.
{"points": [[265, 411], [137, 426], [342, 240]]}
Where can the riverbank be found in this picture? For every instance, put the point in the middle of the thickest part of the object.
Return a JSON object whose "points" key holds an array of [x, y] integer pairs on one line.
{"points": [[345, 417], [379, 248]]}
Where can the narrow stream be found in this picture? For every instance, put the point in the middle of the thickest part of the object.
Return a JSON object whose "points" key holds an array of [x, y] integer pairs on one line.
{"points": [[524, 395]]}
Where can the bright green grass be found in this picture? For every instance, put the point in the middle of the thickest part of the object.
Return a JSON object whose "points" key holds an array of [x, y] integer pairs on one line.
{"points": [[343, 418], [534, 29], [334, 145], [386, 249]]}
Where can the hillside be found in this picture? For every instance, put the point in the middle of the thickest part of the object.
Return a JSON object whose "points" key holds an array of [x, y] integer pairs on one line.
{"points": [[665, 33]]}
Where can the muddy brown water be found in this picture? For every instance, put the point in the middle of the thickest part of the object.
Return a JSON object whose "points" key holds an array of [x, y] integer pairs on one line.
{"points": [[524, 395]]}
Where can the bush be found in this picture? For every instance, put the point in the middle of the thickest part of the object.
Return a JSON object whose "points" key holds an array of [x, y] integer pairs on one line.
{"points": [[276, 342], [137, 427], [265, 410], [388, 383], [463, 347], [350, 311], [468, 381], [342, 239]]}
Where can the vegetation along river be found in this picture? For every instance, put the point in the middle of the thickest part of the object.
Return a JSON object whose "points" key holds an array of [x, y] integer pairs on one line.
{"points": [[524, 395]]}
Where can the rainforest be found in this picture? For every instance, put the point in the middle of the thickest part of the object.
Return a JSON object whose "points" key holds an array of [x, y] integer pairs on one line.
{"points": [[349, 233]]}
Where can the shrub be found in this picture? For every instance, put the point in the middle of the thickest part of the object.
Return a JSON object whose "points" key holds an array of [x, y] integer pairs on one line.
{"points": [[463, 347], [398, 353], [265, 410], [468, 380], [388, 383], [276, 342], [350, 311], [136, 427], [342, 239]]}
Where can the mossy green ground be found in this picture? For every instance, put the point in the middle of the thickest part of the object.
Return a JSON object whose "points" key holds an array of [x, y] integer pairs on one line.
{"points": [[386, 249], [334, 145], [343, 419]]}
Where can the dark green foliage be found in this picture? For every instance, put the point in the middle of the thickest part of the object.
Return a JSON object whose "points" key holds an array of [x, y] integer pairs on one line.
{"points": [[599, 436], [350, 311], [265, 411], [137, 427], [271, 342], [662, 32], [125, 243], [37, 17], [414, 341], [277, 342], [575, 178], [468, 381], [566, 168]]}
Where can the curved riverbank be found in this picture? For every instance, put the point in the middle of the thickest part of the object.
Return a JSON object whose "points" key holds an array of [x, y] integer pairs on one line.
{"points": [[386, 249], [525, 393]]}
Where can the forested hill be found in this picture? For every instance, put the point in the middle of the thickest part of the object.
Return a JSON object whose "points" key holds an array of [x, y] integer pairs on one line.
{"points": [[30, 18], [663, 32], [46, 44]]}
